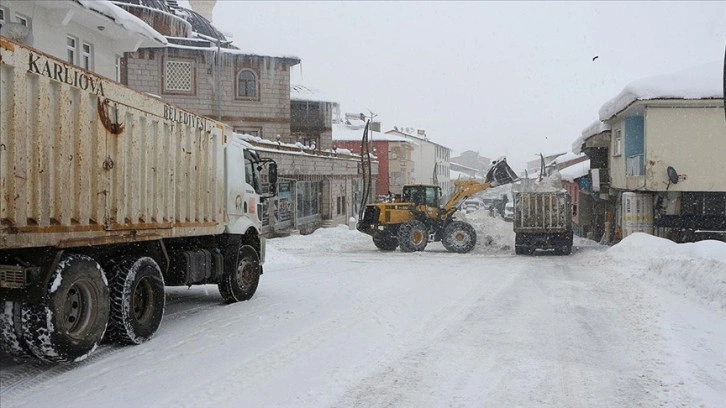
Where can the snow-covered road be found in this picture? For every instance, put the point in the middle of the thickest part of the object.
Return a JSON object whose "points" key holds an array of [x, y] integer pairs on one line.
{"points": [[336, 323]]}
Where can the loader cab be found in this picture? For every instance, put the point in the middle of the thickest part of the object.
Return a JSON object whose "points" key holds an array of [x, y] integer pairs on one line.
{"points": [[422, 194]]}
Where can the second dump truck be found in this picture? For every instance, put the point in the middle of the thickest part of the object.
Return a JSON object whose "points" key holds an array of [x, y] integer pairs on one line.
{"points": [[542, 220]]}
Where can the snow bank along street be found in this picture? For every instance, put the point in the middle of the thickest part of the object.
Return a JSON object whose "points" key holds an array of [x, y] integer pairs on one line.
{"points": [[337, 323]]}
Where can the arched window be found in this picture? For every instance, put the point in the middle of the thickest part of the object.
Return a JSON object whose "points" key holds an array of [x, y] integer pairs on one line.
{"points": [[247, 84]]}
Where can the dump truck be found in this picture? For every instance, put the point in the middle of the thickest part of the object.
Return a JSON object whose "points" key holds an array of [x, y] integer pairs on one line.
{"points": [[542, 220], [422, 216], [107, 196]]}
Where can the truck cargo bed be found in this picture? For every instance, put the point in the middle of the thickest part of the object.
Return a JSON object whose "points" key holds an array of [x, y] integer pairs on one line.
{"points": [[85, 160]]}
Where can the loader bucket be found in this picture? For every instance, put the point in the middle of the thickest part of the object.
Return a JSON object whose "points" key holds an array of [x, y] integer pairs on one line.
{"points": [[501, 173]]}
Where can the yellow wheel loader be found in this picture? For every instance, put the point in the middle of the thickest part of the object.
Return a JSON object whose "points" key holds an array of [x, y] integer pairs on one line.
{"points": [[422, 215]]}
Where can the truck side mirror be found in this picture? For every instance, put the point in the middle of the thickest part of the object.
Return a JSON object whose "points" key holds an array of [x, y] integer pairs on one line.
{"points": [[273, 177]]}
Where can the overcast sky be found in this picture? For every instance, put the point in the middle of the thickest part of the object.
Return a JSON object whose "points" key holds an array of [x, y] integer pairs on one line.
{"points": [[501, 78]]}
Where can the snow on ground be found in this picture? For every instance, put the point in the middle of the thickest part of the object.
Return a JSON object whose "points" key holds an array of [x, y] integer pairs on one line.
{"points": [[693, 270], [337, 323]]}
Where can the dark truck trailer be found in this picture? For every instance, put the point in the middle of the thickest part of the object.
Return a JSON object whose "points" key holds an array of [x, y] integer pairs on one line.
{"points": [[542, 220]]}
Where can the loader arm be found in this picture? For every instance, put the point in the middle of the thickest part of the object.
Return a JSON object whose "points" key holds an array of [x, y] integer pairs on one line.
{"points": [[500, 173], [464, 189]]}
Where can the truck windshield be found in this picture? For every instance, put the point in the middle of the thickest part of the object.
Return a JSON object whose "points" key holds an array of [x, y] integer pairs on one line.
{"points": [[252, 175]]}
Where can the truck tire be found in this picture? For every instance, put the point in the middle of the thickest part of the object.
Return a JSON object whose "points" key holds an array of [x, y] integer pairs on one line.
{"points": [[136, 289], [240, 283], [385, 242], [72, 321], [564, 250], [459, 237], [12, 342], [413, 236]]}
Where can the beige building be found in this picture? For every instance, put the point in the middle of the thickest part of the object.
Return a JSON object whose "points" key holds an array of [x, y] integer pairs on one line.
{"points": [[664, 139], [201, 71]]}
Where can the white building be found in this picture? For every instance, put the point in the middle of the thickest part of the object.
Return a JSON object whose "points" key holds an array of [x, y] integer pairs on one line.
{"points": [[91, 34], [431, 159]]}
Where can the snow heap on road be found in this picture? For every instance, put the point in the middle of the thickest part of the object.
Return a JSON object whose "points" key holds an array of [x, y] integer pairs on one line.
{"points": [[693, 270], [494, 235]]}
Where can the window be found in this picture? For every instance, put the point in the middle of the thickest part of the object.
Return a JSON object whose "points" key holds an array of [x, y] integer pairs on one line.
{"points": [[178, 76], [249, 131], [252, 175], [618, 143], [634, 165], [22, 20], [71, 44], [87, 56], [117, 67], [3, 13], [246, 84]]}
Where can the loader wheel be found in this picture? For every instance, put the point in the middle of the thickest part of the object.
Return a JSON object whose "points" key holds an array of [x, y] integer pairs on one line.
{"points": [[72, 321], [385, 242], [137, 300], [413, 236], [459, 237], [240, 282]]}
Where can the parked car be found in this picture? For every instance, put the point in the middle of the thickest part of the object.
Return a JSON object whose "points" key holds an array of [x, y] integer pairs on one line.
{"points": [[470, 206]]}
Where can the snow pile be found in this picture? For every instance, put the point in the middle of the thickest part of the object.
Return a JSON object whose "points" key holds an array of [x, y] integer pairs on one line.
{"points": [[694, 270], [701, 82], [323, 240], [549, 183], [493, 234]]}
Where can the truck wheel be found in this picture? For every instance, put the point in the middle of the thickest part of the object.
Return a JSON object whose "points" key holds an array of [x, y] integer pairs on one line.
{"points": [[385, 242], [73, 320], [413, 236], [12, 342], [137, 300], [459, 237], [564, 250], [240, 283]]}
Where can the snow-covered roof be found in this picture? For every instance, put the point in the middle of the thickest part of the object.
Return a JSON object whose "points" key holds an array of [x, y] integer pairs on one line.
{"points": [[306, 93], [575, 171], [354, 132], [567, 157], [410, 136], [700, 82], [123, 18], [232, 51], [594, 129]]}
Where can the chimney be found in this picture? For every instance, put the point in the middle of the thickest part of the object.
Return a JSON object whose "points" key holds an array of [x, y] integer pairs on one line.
{"points": [[203, 7]]}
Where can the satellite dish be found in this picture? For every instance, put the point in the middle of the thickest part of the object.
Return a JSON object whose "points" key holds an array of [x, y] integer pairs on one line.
{"points": [[17, 32], [672, 175]]}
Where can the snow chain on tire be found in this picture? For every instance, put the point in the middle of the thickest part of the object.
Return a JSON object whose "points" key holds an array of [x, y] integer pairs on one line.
{"points": [[413, 236], [137, 300], [11, 335], [459, 237], [70, 324]]}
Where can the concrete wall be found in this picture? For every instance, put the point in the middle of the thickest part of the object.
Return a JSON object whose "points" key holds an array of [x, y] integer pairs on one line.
{"points": [[270, 113], [693, 141], [688, 135]]}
